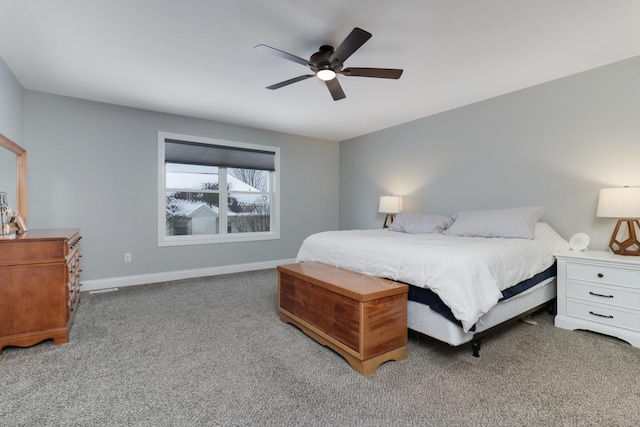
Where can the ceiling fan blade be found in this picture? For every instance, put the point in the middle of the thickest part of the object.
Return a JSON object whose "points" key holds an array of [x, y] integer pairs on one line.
{"points": [[356, 38], [282, 54], [336, 90], [290, 81], [382, 73]]}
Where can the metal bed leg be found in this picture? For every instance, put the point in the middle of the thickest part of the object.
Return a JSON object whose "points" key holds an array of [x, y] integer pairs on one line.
{"points": [[552, 309], [475, 346]]}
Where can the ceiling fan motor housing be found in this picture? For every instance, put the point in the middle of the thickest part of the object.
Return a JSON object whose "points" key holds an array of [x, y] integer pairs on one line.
{"points": [[320, 59]]}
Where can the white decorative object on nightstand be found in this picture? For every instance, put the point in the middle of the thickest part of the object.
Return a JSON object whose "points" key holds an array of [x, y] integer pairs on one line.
{"points": [[600, 292], [579, 242]]}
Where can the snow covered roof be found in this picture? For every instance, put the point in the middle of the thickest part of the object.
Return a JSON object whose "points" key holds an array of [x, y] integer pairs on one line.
{"points": [[189, 209]]}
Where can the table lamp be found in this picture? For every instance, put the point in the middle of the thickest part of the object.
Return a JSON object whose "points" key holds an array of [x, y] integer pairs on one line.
{"points": [[390, 205], [622, 203]]}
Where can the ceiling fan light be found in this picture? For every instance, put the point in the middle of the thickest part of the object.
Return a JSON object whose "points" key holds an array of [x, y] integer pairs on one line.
{"points": [[326, 75]]}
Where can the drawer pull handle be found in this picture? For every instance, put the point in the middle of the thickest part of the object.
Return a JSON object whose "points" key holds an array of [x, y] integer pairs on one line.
{"points": [[600, 275], [601, 315], [600, 295]]}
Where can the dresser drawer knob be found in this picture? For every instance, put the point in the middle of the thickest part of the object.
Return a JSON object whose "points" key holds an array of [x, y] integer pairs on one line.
{"points": [[600, 295], [600, 275], [606, 316]]}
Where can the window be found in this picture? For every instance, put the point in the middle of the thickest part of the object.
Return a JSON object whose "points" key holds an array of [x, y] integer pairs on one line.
{"points": [[213, 191]]}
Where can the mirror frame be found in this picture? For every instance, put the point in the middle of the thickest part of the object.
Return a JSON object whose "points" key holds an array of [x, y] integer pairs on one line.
{"points": [[21, 173]]}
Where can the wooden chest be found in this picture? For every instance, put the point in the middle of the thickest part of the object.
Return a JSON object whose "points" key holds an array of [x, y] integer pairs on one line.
{"points": [[361, 317], [39, 286]]}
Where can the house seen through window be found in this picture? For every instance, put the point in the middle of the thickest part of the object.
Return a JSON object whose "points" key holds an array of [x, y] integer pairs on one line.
{"points": [[216, 191]]}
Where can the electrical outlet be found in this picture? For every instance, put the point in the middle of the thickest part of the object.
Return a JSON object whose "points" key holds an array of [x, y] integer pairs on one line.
{"points": [[127, 257]]}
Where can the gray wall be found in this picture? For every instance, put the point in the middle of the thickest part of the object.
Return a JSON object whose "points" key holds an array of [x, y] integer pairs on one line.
{"points": [[94, 166], [11, 103], [556, 145]]}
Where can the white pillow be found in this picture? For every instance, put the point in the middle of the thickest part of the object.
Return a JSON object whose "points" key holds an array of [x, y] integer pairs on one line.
{"points": [[414, 223], [509, 223]]}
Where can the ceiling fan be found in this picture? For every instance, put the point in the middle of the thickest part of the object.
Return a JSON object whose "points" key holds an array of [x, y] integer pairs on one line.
{"points": [[328, 62]]}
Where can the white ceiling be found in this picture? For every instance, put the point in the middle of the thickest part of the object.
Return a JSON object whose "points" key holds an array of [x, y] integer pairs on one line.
{"points": [[196, 58]]}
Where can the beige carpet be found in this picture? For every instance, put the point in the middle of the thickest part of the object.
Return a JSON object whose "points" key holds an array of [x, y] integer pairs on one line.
{"points": [[213, 352]]}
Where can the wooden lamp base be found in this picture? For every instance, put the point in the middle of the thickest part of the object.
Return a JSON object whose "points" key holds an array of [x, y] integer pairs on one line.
{"points": [[630, 246], [388, 220]]}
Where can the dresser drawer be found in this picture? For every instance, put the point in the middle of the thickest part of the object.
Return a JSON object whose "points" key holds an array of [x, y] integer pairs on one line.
{"points": [[603, 274], [607, 316], [603, 295]]}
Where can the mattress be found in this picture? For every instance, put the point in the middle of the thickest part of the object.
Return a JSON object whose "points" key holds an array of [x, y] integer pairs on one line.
{"points": [[467, 273], [427, 297], [421, 318]]}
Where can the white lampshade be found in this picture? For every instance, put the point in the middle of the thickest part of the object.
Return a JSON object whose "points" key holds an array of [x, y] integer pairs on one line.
{"points": [[621, 202], [390, 204]]}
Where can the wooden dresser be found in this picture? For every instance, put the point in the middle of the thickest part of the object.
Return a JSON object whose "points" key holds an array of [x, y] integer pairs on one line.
{"points": [[361, 317], [39, 286]]}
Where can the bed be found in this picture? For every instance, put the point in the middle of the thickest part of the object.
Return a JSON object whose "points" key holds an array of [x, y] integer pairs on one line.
{"points": [[467, 275]]}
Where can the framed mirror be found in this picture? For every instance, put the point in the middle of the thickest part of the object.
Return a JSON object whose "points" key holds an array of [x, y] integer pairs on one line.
{"points": [[12, 154]]}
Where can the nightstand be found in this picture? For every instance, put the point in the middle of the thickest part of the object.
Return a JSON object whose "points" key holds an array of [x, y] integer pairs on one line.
{"points": [[599, 292]]}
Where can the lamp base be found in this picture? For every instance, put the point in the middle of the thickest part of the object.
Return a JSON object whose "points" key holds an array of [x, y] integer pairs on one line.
{"points": [[629, 246], [388, 220]]}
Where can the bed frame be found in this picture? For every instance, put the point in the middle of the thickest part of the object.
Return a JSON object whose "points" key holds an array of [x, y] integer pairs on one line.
{"points": [[422, 319]]}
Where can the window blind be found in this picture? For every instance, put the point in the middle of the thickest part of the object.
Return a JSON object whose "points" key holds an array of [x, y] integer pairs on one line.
{"points": [[196, 153]]}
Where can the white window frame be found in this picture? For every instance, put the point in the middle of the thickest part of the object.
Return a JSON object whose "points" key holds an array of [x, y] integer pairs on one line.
{"points": [[223, 236]]}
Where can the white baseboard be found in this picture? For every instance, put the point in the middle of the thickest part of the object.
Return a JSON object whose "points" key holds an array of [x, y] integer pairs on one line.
{"points": [[142, 279]]}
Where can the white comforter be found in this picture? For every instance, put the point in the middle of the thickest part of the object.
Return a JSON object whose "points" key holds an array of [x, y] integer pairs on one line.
{"points": [[467, 273]]}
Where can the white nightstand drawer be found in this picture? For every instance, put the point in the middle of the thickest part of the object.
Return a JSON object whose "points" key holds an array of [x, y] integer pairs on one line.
{"points": [[605, 316], [603, 295], [603, 274]]}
